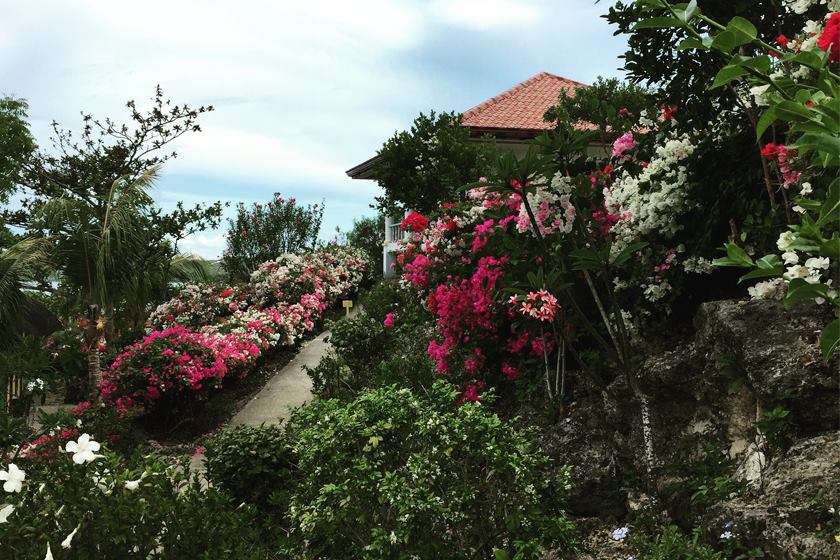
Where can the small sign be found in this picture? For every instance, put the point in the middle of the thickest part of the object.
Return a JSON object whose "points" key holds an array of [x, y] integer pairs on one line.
{"points": [[347, 303]]}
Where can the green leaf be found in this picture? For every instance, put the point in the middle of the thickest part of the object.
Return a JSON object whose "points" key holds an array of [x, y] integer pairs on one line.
{"points": [[660, 22], [799, 290], [824, 143], [735, 256], [830, 338], [768, 117], [690, 43], [742, 30], [830, 210], [831, 248], [760, 63], [500, 554], [627, 252], [767, 266], [791, 110], [690, 10], [727, 74], [724, 41], [809, 59], [584, 259]]}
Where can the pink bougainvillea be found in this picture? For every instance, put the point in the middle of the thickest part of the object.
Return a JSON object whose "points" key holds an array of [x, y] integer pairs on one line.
{"points": [[226, 329], [623, 144]]}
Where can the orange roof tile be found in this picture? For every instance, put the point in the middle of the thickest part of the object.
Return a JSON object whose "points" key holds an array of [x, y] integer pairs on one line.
{"points": [[521, 108]]}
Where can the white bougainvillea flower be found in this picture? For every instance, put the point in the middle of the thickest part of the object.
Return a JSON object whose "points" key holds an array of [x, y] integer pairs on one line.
{"points": [[66, 543], [14, 478], [49, 555], [5, 512], [83, 450]]}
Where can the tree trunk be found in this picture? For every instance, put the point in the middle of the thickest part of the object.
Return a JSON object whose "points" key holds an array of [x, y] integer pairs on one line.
{"points": [[94, 372]]}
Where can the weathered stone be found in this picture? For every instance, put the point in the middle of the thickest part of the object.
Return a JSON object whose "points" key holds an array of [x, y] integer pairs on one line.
{"points": [[789, 516], [777, 350]]}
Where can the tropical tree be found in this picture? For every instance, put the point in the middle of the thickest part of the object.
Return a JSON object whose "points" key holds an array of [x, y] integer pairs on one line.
{"points": [[265, 231], [113, 251], [426, 165]]}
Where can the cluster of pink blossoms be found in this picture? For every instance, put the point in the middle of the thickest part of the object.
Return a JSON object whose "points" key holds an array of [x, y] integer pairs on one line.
{"points": [[225, 330], [783, 156], [623, 144], [540, 305]]}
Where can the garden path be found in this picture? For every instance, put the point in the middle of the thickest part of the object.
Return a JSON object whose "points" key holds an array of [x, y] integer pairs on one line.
{"points": [[288, 389]]}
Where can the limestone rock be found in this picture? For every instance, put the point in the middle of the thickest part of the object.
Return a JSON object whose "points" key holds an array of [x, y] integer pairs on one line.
{"points": [[790, 517]]}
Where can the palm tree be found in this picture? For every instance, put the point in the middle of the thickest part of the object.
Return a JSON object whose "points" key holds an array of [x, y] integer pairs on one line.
{"points": [[19, 264], [97, 244]]}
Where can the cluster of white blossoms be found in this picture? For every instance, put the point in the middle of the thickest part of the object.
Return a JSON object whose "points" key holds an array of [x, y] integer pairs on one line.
{"points": [[698, 265], [769, 289], [802, 6], [650, 202], [552, 208], [811, 270]]}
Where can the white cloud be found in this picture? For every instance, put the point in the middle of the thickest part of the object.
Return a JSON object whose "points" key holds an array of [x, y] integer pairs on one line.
{"points": [[484, 14], [302, 90]]}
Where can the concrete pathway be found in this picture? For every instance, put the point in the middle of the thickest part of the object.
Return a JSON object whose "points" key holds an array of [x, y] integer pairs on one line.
{"points": [[288, 389]]}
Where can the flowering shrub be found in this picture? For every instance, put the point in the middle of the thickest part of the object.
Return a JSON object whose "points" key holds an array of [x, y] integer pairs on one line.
{"points": [[75, 498], [172, 361], [796, 85], [206, 334]]}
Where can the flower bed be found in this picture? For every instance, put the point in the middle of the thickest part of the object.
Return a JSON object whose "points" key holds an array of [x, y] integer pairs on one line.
{"points": [[206, 334]]}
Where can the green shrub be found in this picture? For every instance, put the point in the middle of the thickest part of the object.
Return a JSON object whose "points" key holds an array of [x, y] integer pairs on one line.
{"points": [[115, 506], [251, 463], [367, 355], [393, 474], [672, 544], [390, 296]]}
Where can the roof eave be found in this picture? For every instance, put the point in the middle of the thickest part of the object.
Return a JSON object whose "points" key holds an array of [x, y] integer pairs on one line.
{"points": [[364, 170]]}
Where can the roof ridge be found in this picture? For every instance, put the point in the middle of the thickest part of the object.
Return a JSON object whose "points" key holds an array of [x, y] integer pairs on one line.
{"points": [[478, 109]]}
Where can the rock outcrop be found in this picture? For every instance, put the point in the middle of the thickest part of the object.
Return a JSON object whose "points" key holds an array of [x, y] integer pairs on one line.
{"points": [[794, 513]]}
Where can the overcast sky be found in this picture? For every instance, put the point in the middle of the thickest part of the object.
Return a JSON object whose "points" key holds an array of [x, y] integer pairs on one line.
{"points": [[303, 90]]}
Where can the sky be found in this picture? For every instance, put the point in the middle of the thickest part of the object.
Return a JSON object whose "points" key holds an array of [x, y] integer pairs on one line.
{"points": [[302, 91]]}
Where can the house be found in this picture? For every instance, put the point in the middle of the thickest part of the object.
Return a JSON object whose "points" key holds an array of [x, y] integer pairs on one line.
{"points": [[512, 117]]}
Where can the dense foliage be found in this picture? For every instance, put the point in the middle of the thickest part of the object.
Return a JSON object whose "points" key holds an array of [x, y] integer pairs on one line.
{"points": [[424, 166], [368, 234], [70, 494], [263, 231], [372, 481]]}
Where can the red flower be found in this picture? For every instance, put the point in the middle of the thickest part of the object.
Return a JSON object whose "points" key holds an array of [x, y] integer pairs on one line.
{"points": [[449, 205], [769, 151], [415, 222], [830, 38], [782, 40], [668, 112]]}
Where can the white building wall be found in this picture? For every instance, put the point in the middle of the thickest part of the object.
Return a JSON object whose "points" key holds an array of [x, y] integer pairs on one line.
{"points": [[389, 250]]}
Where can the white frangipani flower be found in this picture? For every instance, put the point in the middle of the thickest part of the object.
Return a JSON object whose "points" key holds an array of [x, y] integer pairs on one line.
{"points": [[14, 478], [5, 512], [69, 539], [133, 485], [83, 450]]}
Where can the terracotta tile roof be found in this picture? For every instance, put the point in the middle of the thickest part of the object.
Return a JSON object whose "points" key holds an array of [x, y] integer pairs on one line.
{"points": [[521, 108]]}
